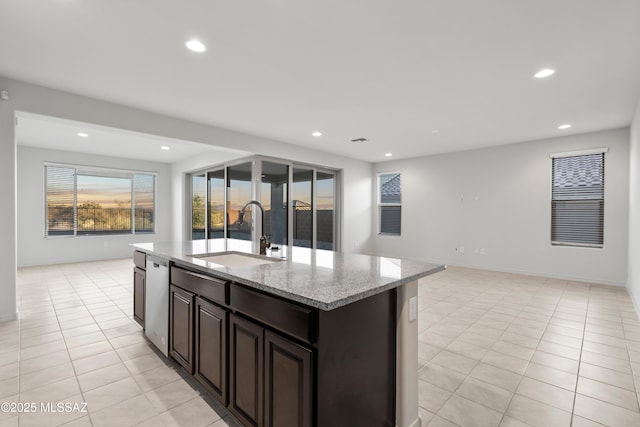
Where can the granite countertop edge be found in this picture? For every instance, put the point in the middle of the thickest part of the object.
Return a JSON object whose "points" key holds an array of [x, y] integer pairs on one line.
{"points": [[184, 261]]}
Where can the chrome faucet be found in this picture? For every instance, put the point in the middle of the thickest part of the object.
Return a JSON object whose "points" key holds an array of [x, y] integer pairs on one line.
{"points": [[264, 242]]}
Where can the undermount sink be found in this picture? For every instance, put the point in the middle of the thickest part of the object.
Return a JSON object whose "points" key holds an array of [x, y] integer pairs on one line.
{"points": [[235, 259]]}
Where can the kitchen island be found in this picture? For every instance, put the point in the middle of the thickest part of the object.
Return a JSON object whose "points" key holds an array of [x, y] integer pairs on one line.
{"points": [[298, 337]]}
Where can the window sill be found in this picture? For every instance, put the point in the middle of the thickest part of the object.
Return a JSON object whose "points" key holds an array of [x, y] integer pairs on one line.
{"points": [[577, 245]]}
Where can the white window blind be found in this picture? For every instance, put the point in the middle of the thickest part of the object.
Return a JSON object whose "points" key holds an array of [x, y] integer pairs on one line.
{"points": [[60, 203], [389, 203], [577, 200], [86, 201], [143, 196]]}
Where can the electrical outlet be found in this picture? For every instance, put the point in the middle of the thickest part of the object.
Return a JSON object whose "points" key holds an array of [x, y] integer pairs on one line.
{"points": [[413, 309], [482, 251], [461, 249]]}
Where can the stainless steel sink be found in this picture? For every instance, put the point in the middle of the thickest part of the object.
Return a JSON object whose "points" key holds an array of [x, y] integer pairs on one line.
{"points": [[235, 259]]}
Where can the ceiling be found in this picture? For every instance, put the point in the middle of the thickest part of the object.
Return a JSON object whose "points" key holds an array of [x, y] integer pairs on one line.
{"points": [[414, 77], [57, 134]]}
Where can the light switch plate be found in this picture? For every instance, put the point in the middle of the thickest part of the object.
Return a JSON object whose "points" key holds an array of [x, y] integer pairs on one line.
{"points": [[413, 309]]}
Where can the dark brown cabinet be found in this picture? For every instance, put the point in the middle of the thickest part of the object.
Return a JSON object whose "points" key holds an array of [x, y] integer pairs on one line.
{"points": [[181, 311], [246, 370], [139, 286], [139, 289], [211, 348], [270, 378], [288, 382]]}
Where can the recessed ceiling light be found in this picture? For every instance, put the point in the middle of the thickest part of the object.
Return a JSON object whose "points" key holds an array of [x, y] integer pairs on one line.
{"points": [[388, 154], [196, 46], [545, 72], [316, 133], [565, 126], [83, 135], [164, 147]]}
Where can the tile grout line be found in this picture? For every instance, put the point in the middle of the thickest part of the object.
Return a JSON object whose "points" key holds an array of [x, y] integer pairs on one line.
{"points": [[67, 348], [480, 361], [528, 363], [633, 374], [584, 327]]}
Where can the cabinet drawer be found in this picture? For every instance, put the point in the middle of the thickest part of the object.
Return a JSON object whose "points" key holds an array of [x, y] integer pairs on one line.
{"points": [[140, 259], [213, 289], [290, 318]]}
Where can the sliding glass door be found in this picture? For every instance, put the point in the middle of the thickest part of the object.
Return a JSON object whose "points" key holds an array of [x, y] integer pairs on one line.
{"points": [[302, 207], [300, 203], [325, 209], [274, 196], [198, 206], [215, 206], [239, 193]]}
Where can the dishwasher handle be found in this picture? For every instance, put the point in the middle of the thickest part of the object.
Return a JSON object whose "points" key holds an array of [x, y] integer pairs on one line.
{"points": [[157, 261]]}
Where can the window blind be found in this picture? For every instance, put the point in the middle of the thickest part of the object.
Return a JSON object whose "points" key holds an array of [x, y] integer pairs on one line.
{"points": [[60, 201], [390, 219], [143, 196], [577, 200]]}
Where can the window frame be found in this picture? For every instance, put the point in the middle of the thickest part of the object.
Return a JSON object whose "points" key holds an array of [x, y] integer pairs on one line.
{"points": [[382, 205], [105, 172], [569, 244]]}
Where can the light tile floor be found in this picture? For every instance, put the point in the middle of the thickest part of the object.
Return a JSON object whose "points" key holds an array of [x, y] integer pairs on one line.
{"points": [[499, 349], [76, 342], [496, 349]]}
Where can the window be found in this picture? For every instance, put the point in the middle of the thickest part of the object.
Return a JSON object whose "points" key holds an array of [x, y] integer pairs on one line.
{"points": [[577, 199], [95, 201], [389, 203]]}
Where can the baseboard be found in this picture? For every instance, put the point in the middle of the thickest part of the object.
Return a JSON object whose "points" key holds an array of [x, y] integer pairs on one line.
{"points": [[634, 300], [536, 274], [14, 316], [416, 423]]}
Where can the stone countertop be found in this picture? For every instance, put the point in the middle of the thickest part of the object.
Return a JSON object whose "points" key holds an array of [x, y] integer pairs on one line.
{"points": [[314, 277]]}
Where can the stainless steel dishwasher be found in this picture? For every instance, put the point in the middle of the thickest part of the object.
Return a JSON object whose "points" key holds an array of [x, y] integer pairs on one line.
{"points": [[156, 314]]}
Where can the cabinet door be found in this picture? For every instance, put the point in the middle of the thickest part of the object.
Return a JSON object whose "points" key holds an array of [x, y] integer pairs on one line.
{"points": [[211, 348], [139, 287], [246, 370], [181, 327], [288, 382]]}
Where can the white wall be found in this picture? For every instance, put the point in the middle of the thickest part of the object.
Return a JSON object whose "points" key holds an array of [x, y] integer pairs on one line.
{"points": [[511, 216], [633, 284], [7, 211], [35, 249], [40, 100]]}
